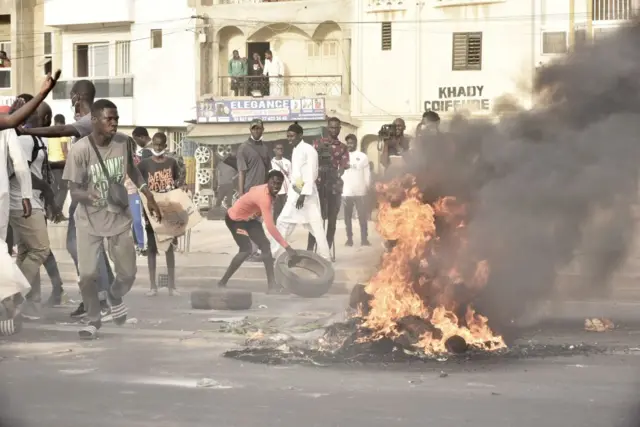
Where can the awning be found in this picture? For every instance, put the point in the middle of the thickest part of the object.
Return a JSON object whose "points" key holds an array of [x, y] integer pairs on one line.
{"points": [[218, 134]]}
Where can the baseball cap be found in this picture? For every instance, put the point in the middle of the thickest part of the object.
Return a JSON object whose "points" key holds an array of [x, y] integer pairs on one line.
{"points": [[256, 122]]}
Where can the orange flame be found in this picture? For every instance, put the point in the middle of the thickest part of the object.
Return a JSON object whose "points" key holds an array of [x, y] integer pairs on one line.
{"points": [[426, 275]]}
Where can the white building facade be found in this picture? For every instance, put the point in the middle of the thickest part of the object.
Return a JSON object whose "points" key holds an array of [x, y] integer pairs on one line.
{"points": [[139, 55], [454, 55]]}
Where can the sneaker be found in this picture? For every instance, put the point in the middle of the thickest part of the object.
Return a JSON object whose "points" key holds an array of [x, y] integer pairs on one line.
{"points": [[90, 331], [119, 313], [105, 312], [349, 242], [152, 293], [55, 299], [10, 326], [79, 312], [30, 310], [173, 293], [365, 242]]}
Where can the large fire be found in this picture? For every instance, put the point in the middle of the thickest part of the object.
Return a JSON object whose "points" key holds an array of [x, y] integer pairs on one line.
{"points": [[427, 280]]}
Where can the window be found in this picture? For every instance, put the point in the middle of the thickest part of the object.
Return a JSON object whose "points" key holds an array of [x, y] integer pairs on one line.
{"points": [[92, 60], [313, 49], [48, 50], [329, 48], [386, 35], [325, 49], [6, 46], [608, 10], [156, 39], [123, 54], [554, 42], [467, 51]]}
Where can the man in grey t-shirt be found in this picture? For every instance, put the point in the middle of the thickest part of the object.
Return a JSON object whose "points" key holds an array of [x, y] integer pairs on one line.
{"points": [[254, 163], [82, 95], [253, 159], [98, 217]]}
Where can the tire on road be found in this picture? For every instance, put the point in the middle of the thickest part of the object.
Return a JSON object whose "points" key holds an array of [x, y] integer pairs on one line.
{"points": [[221, 299], [305, 287]]}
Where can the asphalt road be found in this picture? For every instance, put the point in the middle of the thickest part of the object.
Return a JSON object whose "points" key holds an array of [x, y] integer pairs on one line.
{"points": [[152, 374]]}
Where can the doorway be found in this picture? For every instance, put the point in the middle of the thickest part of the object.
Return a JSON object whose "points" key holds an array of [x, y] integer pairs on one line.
{"points": [[257, 83], [257, 47]]}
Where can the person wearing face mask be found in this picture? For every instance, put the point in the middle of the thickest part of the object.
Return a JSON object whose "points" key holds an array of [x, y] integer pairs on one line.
{"points": [[162, 174]]}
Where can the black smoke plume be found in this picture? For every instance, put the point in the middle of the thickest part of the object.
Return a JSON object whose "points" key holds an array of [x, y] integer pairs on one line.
{"points": [[547, 183]]}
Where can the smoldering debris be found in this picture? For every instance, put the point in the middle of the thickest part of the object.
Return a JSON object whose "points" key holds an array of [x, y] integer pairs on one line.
{"points": [[550, 182], [347, 343]]}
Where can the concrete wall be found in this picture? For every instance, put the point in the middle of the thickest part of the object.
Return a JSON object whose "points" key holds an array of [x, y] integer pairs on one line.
{"points": [[163, 78], [164, 89]]}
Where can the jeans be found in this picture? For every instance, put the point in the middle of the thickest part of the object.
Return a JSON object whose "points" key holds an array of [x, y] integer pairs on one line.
{"points": [[135, 205], [360, 204], [105, 275]]}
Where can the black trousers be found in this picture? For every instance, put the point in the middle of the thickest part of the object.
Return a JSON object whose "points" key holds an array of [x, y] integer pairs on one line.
{"points": [[360, 203], [245, 232], [59, 187], [330, 206], [278, 205], [10, 240]]}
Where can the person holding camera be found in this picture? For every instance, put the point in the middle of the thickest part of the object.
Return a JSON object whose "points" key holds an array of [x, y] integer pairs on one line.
{"points": [[333, 160], [395, 142]]}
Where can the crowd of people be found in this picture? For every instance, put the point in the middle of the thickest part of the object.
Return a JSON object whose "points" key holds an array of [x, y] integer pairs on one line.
{"points": [[107, 173]]}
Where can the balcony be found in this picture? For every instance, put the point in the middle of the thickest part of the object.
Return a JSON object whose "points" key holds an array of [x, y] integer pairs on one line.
{"points": [[386, 5], [108, 87], [5, 78], [449, 3], [62, 13], [285, 87], [251, 1]]}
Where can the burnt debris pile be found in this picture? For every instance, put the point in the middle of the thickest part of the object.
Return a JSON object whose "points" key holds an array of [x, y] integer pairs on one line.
{"points": [[350, 343]]}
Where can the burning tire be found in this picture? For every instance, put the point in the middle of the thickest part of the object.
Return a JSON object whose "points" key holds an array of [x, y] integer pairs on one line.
{"points": [[306, 287], [221, 299]]}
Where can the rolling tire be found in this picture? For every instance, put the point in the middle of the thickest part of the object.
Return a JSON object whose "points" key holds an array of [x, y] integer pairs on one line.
{"points": [[302, 286], [221, 299]]}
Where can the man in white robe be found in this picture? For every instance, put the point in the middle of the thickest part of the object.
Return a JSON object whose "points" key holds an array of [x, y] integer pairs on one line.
{"points": [[303, 204], [274, 69]]}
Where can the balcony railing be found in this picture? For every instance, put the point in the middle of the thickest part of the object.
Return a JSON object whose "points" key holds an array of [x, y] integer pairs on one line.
{"points": [[5, 78], [287, 86], [108, 87]]}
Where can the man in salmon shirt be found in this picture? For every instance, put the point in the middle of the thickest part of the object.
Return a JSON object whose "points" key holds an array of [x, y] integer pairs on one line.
{"points": [[242, 221]]}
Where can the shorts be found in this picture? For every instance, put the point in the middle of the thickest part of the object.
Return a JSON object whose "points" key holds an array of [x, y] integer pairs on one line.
{"points": [[244, 232], [152, 246]]}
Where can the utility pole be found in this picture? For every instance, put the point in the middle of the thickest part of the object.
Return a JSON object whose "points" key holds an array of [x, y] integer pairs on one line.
{"points": [[589, 20], [206, 53], [572, 24]]}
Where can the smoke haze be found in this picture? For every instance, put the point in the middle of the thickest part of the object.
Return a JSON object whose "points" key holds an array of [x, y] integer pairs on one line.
{"points": [[551, 181]]}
